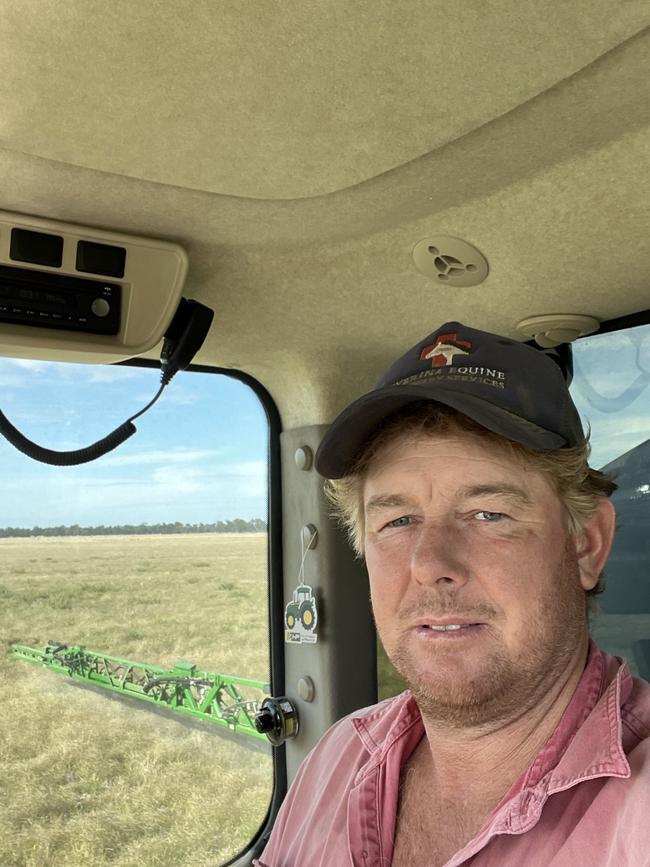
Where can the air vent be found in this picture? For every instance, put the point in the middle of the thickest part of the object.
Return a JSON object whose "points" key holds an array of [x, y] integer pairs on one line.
{"points": [[450, 261]]}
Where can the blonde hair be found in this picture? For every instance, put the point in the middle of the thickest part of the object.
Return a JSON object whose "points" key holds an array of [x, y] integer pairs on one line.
{"points": [[578, 485]]}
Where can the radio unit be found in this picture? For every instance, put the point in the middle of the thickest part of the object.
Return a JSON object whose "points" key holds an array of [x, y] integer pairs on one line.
{"points": [[48, 300]]}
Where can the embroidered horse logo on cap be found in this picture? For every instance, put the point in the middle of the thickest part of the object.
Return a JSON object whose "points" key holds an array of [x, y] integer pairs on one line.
{"points": [[443, 351]]}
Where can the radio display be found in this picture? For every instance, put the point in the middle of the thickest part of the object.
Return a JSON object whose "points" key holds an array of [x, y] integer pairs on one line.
{"points": [[36, 296]]}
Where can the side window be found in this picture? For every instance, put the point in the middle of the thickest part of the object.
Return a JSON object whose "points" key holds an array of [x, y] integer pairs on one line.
{"points": [[152, 556], [611, 388]]}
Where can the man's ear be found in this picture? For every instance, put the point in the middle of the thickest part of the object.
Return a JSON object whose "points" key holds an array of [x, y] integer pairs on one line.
{"points": [[594, 543]]}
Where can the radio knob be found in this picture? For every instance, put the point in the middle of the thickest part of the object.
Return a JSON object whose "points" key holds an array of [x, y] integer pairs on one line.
{"points": [[100, 307]]}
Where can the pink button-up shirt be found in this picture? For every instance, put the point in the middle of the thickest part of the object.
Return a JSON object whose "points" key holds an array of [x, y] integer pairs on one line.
{"points": [[583, 802]]}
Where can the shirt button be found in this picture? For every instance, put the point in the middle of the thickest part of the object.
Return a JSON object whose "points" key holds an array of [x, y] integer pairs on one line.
{"points": [[364, 854]]}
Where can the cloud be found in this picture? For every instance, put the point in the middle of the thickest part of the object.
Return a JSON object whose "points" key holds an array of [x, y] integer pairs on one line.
{"points": [[25, 364], [162, 456], [11, 380], [182, 491], [19, 372], [246, 479], [178, 398], [106, 373], [28, 372]]}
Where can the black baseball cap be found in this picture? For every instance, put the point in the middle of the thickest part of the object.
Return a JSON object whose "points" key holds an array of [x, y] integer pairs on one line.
{"points": [[506, 386]]}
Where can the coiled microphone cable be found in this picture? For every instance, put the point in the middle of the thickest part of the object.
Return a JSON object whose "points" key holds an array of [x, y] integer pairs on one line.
{"points": [[183, 339]]}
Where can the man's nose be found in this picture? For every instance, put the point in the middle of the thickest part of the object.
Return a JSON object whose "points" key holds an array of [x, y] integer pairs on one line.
{"points": [[439, 556]]}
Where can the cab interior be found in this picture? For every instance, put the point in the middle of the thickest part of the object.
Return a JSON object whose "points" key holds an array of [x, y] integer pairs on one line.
{"points": [[334, 181]]}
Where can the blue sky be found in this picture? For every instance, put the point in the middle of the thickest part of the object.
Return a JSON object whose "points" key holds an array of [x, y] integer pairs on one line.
{"points": [[200, 454]]}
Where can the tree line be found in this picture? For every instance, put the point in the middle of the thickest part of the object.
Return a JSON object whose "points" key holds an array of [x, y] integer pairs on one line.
{"points": [[236, 525]]}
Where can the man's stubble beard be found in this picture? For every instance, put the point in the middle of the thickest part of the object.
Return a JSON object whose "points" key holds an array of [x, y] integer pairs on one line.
{"points": [[505, 686]]}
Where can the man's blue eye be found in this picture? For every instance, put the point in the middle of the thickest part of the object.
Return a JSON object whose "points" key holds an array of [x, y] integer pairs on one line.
{"points": [[403, 521], [490, 516]]}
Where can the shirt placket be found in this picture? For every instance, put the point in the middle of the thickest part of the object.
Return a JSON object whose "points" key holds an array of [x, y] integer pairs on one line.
{"points": [[364, 840]]}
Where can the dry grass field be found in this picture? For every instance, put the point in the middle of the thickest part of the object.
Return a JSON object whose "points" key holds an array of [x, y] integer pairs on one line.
{"points": [[94, 781]]}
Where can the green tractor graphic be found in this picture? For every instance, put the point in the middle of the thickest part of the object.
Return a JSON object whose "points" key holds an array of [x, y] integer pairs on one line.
{"points": [[301, 609]]}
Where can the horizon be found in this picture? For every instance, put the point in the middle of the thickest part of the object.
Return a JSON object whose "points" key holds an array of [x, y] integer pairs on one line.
{"points": [[251, 526]]}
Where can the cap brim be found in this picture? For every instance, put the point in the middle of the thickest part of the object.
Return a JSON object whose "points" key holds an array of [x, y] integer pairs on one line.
{"points": [[349, 432]]}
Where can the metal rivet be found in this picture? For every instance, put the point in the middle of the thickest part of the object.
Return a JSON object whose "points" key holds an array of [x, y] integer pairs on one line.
{"points": [[306, 689], [303, 457]]}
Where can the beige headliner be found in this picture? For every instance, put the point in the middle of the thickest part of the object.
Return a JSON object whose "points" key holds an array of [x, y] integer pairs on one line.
{"points": [[299, 151]]}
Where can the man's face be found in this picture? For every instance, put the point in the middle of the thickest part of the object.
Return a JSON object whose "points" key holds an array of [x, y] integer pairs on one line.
{"points": [[459, 533]]}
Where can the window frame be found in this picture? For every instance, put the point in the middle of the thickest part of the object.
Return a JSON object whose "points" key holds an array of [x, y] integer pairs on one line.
{"points": [[275, 585], [620, 323]]}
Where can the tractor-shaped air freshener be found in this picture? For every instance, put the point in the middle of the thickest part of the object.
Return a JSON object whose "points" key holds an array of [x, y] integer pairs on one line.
{"points": [[301, 616]]}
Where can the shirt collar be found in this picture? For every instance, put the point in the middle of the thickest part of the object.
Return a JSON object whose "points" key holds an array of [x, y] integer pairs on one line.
{"points": [[588, 741], [381, 726]]}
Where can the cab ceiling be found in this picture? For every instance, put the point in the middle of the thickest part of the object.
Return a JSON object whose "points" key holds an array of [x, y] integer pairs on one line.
{"points": [[299, 151]]}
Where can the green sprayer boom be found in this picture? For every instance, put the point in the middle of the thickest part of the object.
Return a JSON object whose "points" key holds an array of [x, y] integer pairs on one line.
{"points": [[230, 702]]}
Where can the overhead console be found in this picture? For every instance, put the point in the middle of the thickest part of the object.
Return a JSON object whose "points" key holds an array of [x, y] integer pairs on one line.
{"points": [[71, 293]]}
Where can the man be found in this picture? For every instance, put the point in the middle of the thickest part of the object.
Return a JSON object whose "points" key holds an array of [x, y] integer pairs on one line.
{"points": [[463, 479]]}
